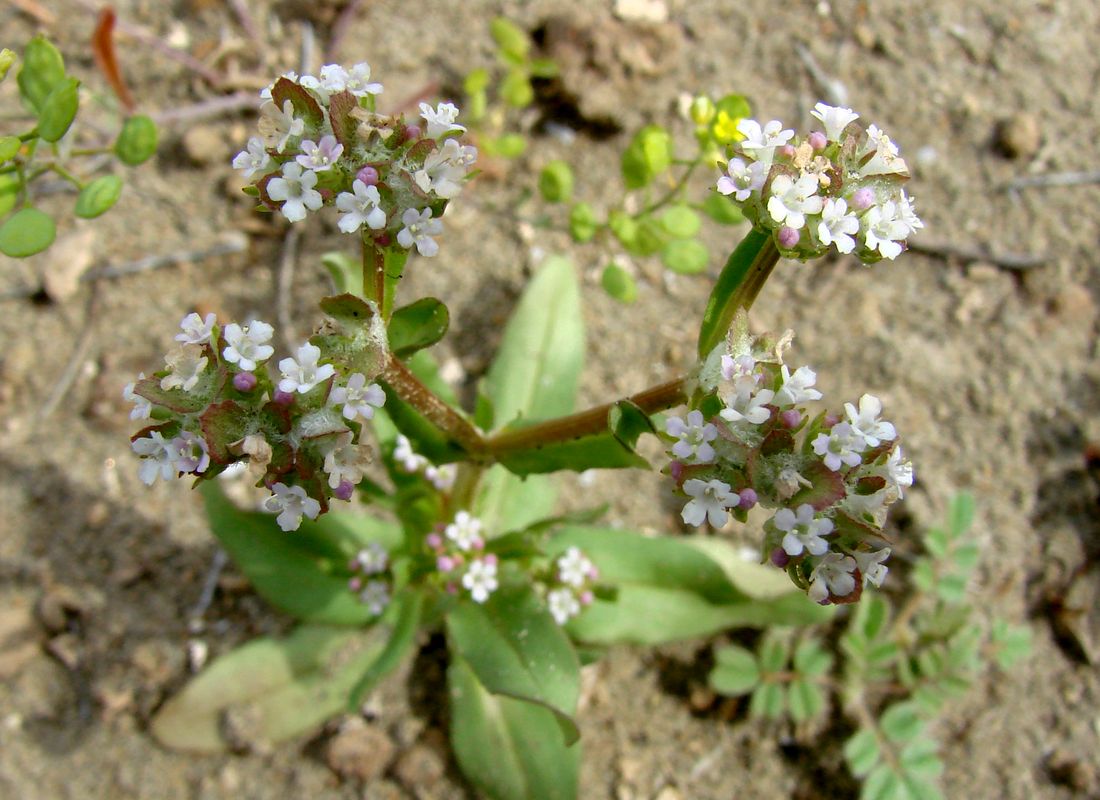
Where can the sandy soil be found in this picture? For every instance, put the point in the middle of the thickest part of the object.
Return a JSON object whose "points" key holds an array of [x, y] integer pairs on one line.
{"points": [[989, 373]]}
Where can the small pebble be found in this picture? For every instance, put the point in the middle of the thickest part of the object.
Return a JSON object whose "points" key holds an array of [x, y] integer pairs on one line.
{"points": [[1018, 136], [359, 751]]}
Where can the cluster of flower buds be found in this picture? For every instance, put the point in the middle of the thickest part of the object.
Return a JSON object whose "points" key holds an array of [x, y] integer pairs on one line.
{"points": [[461, 560], [749, 440], [838, 188], [441, 476], [322, 142], [216, 406], [370, 577], [568, 588]]}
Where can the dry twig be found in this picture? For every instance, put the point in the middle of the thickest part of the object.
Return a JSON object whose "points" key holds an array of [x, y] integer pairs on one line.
{"points": [[1012, 261], [1055, 179]]}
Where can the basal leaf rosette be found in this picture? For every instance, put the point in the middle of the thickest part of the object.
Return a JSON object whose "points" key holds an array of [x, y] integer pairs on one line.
{"points": [[841, 187], [749, 439], [321, 142]]}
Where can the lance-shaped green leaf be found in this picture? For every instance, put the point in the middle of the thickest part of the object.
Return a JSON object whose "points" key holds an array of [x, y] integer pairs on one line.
{"points": [[748, 266], [418, 325], [269, 690], [516, 649], [509, 749], [300, 573], [405, 612]]}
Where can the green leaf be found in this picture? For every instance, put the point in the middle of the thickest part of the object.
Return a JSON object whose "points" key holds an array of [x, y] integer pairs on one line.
{"points": [[556, 182], [773, 653], [508, 145], [9, 147], [512, 40], [271, 689], [98, 196], [901, 722], [681, 222], [806, 700], [7, 58], [58, 110], [602, 451], [26, 232], [516, 89], [619, 283], [304, 104], [883, 784], [768, 701], [137, 141], [9, 191], [920, 759], [405, 611], [582, 222], [735, 671], [543, 68], [42, 69], [951, 588], [649, 237], [346, 272], [624, 227], [516, 649], [961, 515], [1012, 642], [648, 154], [722, 210], [476, 81], [418, 325], [810, 658], [871, 617], [686, 256], [862, 752], [300, 573], [509, 749], [724, 299]]}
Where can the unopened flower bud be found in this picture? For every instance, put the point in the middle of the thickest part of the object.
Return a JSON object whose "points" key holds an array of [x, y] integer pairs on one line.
{"points": [[748, 499], [244, 381], [435, 541], [780, 558], [676, 470], [282, 398], [412, 132], [830, 420], [368, 175], [817, 141], [444, 563], [787, 150], [790, 418], [344, 490], [490, 559], [702, 110], [862, 199], [586, 598], [788, 237], [355, 584]]}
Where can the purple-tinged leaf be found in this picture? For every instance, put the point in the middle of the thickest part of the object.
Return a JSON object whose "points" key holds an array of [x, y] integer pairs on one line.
{"points": [[300, 98]]}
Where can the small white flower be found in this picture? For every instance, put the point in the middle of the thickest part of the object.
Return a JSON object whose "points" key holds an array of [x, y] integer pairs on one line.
{"points": [[196, 330], [186, 364], [741, 372], [278, 125], [465, 532], [441, 119], [361, 206], [346, 461], [760, 142], [404, 455], [803, 529], [837, 225], [841, 445], [885, 160], [295, 190], [832, 575], [866, 423], [792, 200], [334, 78], [899, 473], [357, 80], [375, 596], [441, 477], [304, 373], [373, 559], [419, 230], [158, 458], [142, 408], [750, 408], [835, 119], [694, 438], [253, 159], [574, 568], [291, 503], [742, 179], [359, 399], [445, 168], [563, 605], [320, 156], [709, 502], [248, 346], [872, 566], [907, 213], [191, 453], [884, 230], [796, 388], [481, 579], [290, 75]]}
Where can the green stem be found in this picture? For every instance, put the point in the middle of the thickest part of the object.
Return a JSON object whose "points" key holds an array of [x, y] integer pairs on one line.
{"points": [[744, 275], [672, 193]]}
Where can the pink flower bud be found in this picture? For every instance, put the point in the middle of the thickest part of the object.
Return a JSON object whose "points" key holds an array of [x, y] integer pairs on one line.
{"points": [[676, 470], [830, 420], [444, 563], [748, 499], [817, 140], [490, 559], [344, 490], [368, 175], [477, 543], [790, 418], [244, 381], [787, 151], [412, 132], [586, 598], [383, 240], [435, 541], [452, 588], [353, 564], [282, 398], [862, 199], [593, 573], [355, 584], [780, 558], [788, 237]]}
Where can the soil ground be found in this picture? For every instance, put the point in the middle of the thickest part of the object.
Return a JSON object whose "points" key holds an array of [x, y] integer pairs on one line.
{"points": [[990, 374]]}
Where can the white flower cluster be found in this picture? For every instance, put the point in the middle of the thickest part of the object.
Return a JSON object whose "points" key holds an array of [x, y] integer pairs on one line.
{"points": [[370, 578], [220, 408], [569, 588], [830, 492], [839, 188], [321, 142], [461, 560]]}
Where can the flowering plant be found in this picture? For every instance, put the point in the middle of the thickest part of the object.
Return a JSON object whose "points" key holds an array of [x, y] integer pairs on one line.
{"points": [[464, 537]]}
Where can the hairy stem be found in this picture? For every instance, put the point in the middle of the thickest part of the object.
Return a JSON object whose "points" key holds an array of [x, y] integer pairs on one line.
{"points": [[413, 391]]}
